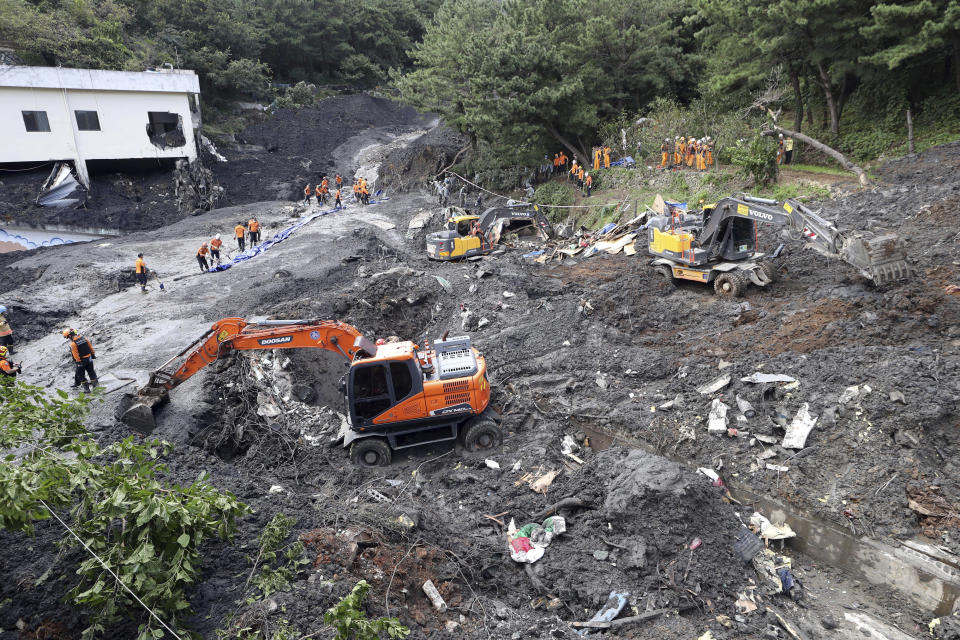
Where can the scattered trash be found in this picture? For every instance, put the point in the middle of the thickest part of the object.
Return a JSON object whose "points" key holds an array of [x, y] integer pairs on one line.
{"points": [[695, 544], [492, 464], [508, 294], [745, 407], [799, 429], [541, 484], [276, 489], [528, 543], [717, 421], [714, 385], [482, 323], [434, 595], [747, 545], [856, 393], [769, 531], [762, 378], [615, 604], [710, 473], [61, 189], [779, 468], [445, 284]]}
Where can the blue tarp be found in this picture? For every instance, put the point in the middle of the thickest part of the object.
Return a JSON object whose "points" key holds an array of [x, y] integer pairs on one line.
{"points": [[278, 237], [607, 228], [623, 162], [676, 205]]}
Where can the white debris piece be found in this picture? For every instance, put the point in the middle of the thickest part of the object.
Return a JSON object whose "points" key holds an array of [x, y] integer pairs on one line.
{"points": [[718, 417], [508, 294], [761, 378], [434, 595], [779, 468], [710, 473], [855, 394], [799, 428], [714, 385], [568, 445], [492, 464], [276, 489], [770, 531]]}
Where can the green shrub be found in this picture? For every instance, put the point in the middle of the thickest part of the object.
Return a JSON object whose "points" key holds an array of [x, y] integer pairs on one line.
{"points": [[554, 192], [757, 159], [351, 623]]}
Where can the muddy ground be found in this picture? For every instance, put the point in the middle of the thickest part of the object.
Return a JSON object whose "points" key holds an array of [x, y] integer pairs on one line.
{"points": [[590, 349]]}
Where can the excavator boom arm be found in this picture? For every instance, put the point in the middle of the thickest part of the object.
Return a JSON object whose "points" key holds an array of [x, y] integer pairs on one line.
{"points": [[236, 334]]}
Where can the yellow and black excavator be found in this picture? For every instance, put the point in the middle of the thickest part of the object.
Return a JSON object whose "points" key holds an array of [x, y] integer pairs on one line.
{"points": [[397, 394], [718, 245], [471, 235]]}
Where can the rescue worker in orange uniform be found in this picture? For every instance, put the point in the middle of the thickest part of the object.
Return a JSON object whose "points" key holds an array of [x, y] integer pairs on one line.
{"points": [[240, 232], [318, 191], [556, 163], [698, 155], [573, 171], [364, 193], [336, 202], [709, 151], [141, 268], [689, 152], [664, 153], [580, 178], [202, 258], [563, 161], [254, 226], [780, 150], [339, 181], [215, 244], [7, 368], [306, 194], [588, 183], [356, 191], [606, 157], [596, 158], [83, 356], [678, 144]]}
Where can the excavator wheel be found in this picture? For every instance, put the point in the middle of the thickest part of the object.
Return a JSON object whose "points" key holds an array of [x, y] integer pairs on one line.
{"points": [[481, 433], [730, 285], [667, 274], [370, 452], [769, 268]]}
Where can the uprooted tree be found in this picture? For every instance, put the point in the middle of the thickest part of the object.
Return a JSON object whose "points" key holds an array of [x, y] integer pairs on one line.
{"points": [[141, 533]]}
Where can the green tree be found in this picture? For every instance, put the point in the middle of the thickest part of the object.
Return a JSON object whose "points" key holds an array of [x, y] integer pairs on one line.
{"points": [[921, 32]]}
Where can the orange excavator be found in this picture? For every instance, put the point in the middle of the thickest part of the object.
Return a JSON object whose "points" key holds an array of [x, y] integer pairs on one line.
{"points": [[397, 394]]}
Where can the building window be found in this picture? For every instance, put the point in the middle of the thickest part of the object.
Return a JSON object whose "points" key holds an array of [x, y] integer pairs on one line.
{"points": [[165, 129], [36, 121], [87, 121]]}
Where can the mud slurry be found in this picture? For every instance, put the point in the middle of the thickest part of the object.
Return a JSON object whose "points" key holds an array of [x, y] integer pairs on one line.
{"points": [[578, 349]]}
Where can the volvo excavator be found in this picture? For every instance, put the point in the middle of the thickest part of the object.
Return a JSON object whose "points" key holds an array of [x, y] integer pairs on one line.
{"points": [[396, 395], [719, 244]]}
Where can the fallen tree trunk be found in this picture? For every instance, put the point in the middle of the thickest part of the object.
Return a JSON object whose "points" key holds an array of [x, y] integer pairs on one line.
{"points": [[833, 153]]}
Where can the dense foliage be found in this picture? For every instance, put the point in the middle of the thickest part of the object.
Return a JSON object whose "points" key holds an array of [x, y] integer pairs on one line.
{"points": [[236, 45], [533, 74], [133, 524]]}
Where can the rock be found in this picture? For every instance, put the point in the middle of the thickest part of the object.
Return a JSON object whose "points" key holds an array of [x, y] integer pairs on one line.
{"points": [[303, 392], [482, 323], [896, 396], [601, 555], [829, 622]]}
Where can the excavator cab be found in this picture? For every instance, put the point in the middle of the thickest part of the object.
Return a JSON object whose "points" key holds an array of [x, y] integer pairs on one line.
{"points": [[738, 239]]}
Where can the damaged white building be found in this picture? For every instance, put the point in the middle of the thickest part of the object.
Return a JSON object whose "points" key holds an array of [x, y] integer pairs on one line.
{"points": [[87, 116]]}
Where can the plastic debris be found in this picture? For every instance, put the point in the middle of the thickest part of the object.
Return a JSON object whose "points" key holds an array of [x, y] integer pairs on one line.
{"points": [[508, 294], [770, 531], [492, 464], [615, 604], [710, 473], [745, 407], [762, 378], [714, 385], [799, 429], [434, 595], [717, 421], [747, 545], [445, 284], [528, 543], [276, 489]]}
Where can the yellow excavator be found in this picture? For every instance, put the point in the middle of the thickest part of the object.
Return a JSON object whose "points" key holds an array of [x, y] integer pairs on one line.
{"points": [[471, 235], [718, 245]]}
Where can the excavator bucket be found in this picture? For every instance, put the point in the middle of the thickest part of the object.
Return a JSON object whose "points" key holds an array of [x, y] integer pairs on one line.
{"points": [[136, 410], [880, 258]]}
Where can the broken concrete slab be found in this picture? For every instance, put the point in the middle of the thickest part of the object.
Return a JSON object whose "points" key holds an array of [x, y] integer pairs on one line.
{"points": [[799, 428]]}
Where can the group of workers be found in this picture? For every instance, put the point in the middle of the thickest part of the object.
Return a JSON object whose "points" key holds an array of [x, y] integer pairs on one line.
{"points": [[81, 351], [361, 191], [212, 248], [694, 153]]}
